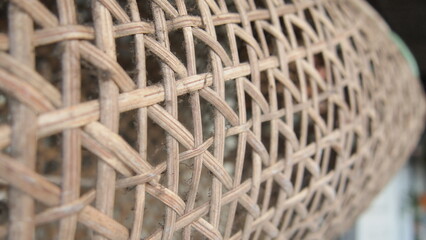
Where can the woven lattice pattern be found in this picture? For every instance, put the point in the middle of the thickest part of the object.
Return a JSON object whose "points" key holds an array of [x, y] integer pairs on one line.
{"points": [[184, 119]]}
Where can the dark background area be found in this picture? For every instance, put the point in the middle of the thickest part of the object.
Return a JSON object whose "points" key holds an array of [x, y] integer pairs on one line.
{"points": [[407, 18]]}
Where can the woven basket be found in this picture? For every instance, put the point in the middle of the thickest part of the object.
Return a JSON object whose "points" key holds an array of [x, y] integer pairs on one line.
{"points": [[159, 119]]}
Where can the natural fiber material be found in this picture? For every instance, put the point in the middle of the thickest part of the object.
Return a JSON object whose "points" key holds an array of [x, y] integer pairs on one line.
{"points": [[157, 119]]}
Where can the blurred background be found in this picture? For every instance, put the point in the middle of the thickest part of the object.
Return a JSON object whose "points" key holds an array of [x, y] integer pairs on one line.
{"points": [[399, 211]]}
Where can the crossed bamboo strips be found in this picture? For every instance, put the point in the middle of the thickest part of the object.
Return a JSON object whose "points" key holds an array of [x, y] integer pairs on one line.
{"points": [[343, 111]]}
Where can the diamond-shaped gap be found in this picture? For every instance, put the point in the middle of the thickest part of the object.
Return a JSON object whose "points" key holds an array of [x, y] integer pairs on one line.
{"points": [[339, 53], [239, 219], [224, 212], [337, 117], [185, 113], [207, 117], [156, 149], [311, 136], [264, 86], [247, 172], [319, 63], [325, 113], [354, 148], [293, 74], [124, 206], [154, 215], [48, 63], [254, 33], [358, 106], [298, 33], [306, 178], [49, 160], [297, 124], [312, 85], [242, 50], [230, 154], [369, 127], [353, 44], [271, 43], [231, 95], [372, 67], [154, 74], [284, 29], [328, 160], [310, 19], [125, 50], [280, 95], [333, 75], [204, 187], [249, 106], [346, 97], [281, 91], [202, 57], [361, 80], [90, 81], [222, 38], [266, 135], [178, 45], [88, 170], [186, 174], [84, 13], [276, 192], [282, 141], [128, 128]]}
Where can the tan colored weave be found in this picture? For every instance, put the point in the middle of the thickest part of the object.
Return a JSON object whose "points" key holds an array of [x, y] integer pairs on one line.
{"points": [[184, 119]]}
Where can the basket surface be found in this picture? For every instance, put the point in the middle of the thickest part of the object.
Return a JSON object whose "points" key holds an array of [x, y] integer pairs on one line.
{"points": [[157, 119]]}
